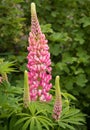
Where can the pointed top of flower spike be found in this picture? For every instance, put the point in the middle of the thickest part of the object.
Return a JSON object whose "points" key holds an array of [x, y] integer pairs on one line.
{"points": [[33, 8], [57, 86], [35, 27]]}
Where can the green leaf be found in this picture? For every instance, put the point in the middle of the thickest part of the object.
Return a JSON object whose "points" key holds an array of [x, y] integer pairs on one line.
{"points": [[24, 114], [32, 124], [62, 124], [62, 67], [68, 58], [59, 37], [70, 127], [67, 95], [69, 81], [83, 57], [79, 71], [39, 126], [81, 80], [6, 67], [55, 49], [12, 124], [32, 108], [21, 120], [26, 124], [65, 125], [44, 124], [65, 110], [46, 28], [40, 112], [79, 38], [45, 121], [71, 112], [85, 20]]}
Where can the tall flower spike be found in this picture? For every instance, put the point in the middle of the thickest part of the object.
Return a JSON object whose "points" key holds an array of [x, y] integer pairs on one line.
{"points": [[26, 97], [39, 63], [58, 102]]}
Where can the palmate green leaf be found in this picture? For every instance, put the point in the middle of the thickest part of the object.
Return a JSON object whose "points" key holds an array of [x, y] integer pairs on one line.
{"points": [[11, 90], [26, 124], [32, 108], [44, 124], [77, 118], [67, 95], [12, 123], [41, 111], [21, 120], [62, 124], [82, 55], [85, 20], [35, 124], [59, 37], [46, 28], [72, 121], [6, 67], [38, 124], [81, 80], [44, 107], [4, 85], [45, 121], [70, 127], [55, 49], [36, 108], [70, 112], [65, 125], [24, 114], [32, 124], [71, 117], [65, 110], [68, 58]]}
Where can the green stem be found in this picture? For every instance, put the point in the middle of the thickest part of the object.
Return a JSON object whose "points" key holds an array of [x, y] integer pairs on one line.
{"points": [[26, 90]]}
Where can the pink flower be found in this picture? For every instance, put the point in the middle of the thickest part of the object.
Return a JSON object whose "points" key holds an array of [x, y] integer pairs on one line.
{"points": [[39, 63]]}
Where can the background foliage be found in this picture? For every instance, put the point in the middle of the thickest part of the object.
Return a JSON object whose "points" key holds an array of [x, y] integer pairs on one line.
{"points": [[67, 28]]}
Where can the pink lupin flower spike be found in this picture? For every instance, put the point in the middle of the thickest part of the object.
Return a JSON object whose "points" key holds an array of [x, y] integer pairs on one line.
{"points": [[58, 102], [39, 63]]}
